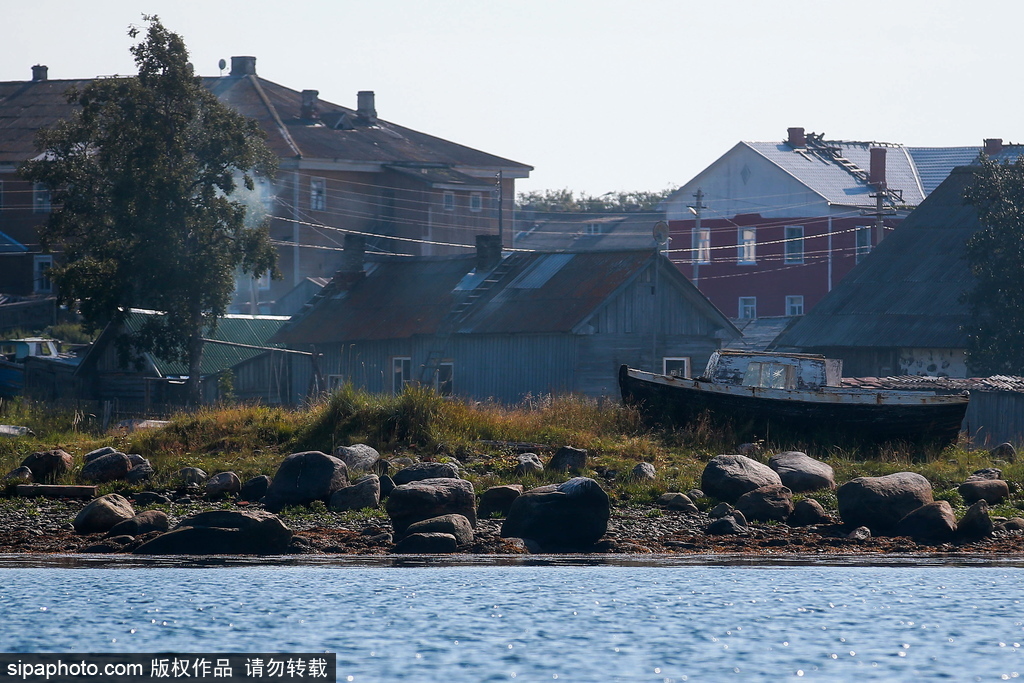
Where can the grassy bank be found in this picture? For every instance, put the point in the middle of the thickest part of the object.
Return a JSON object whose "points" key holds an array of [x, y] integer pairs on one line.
{"points": [[252, 440]]}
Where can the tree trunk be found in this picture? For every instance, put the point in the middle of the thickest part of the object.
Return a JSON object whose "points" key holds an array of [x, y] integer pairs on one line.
{"points": [[193, 396]]}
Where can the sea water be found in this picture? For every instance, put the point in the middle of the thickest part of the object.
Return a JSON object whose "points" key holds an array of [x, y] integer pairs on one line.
{"points": [[562, 622]]}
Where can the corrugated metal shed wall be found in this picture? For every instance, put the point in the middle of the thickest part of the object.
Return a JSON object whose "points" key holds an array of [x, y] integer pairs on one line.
{"points": [[994, 417]]}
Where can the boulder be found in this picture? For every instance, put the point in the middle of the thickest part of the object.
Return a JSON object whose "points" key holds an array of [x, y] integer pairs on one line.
{"points": [[931, 522], [19, 475], [861, 533], [140, 473], [387, 485], [720, 510], [135, 459], [694, 494], [254, 489], [568, 459], [976, 523], [727, 477], [304, 477], [222, 532], [358, 457], [643, 471], [726, 526], [677, 501], [801, 473], [223, 484], [142, 523], [192, 475], [48, 466], [881, 502], [498, 499], [426, 470], [433, 543], [150, 498], [766, 504], [109, 467], [456, 525], [573, 514], [986, 473], [528, 463], [419, 500], [808, 512], [98, 453], [364, 493], [992, 491], [100, 515], [1013, 524]]}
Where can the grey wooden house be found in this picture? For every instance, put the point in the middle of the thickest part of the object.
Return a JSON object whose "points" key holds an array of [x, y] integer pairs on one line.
{"points": [[506, 326]]}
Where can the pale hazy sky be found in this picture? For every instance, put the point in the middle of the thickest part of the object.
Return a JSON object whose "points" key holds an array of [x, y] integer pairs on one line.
{"points": [[596, 95]]}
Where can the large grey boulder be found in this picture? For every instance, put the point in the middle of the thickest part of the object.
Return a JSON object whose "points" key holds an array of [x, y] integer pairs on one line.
{"points": [[222, 532], [102, 514], [142, 523], [425, 470], [801, 473], [673, 500], [192, 476], [364, 493], [570, 515], [976, 523], [808, 512], [427, 543], [140, 473], [568, 459], [729, 525], [19, 475], [254, 489], [98, 453], [303, 478], [931, 522], [772, 503], [992, 491], [426, 498], [456, 525], [109, 467], [528, 463], [643, 471], [727, 477], [498, 499], [358, 457], [48, 466], [223, 484], [881, 502]]}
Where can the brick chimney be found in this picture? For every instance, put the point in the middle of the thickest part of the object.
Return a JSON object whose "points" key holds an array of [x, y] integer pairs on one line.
{"points": [[993, 146], [366, 107], [39, 72], [354, 254], [488, 252], [243, 66], [876, 172], [796, 137], [310, 105]]}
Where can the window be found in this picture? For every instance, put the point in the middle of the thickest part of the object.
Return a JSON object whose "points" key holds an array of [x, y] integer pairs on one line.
{"points": [[748, 307], [676, 367], [747, 246], [770, 376], [795, 305], [317, 194], [794, 244], [401, 373], [593, 228], [448, 201], [476, 202], [263, 282], [444, 379], [702, 244], [42, 283], [40, 198], [863, 241]]}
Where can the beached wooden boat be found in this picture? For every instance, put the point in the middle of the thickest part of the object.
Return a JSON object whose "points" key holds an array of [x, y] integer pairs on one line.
{"points": [[783, 396]]}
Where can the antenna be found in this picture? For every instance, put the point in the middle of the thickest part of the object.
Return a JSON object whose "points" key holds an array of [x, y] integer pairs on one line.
{"points": [[222, 64]]}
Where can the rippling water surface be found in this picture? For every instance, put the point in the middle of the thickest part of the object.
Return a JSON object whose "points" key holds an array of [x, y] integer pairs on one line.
{"points": [[542, 623]]}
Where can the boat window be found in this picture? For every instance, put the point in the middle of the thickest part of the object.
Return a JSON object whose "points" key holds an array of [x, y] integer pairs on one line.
{"points": [[769, 375]]}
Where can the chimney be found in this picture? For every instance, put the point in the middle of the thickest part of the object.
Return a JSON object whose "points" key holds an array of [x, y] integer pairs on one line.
{"points": [[39, 72], [993, 146], [876, 172], [796, 137], [310, 105], [488, 252], [243, 66], [366, 108], [353, 255]]}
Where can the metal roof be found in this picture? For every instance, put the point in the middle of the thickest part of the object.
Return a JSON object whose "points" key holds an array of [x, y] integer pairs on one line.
{"points": [[564, 231], [906, 293], [935, 163]]}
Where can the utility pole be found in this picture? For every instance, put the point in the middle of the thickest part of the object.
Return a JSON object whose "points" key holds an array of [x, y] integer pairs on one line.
{"points": [[881, 210], [501, 208], [695, 240]]}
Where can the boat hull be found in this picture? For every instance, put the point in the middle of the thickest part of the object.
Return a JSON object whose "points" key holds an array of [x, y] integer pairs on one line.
{"points": [[840, 417]]}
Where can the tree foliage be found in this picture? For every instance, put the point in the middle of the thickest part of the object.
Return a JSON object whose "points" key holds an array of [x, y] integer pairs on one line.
{"points": [[610, 202], [145, 176], [995, 254]]}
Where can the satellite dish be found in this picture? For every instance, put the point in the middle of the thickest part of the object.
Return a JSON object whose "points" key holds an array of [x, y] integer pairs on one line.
{"points": [[660, 232], [222, 64]]}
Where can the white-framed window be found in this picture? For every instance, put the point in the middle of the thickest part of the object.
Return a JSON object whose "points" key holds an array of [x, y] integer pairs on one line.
{"points": [[40, 198], [444, 380], [702, 244], [863, 241], [794, 244], [401, 373], [747, 255], [678, 366], [448, 201], [593, 228], [41, 282], [748, 307], [317, 194], [476, 202], [795, 305]]}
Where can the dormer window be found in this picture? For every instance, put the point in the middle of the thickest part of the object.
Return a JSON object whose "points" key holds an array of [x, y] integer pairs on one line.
{"points": [[593, 228]]}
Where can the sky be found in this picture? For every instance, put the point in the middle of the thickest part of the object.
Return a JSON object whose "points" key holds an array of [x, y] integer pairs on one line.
{"points": [[597, 96]]}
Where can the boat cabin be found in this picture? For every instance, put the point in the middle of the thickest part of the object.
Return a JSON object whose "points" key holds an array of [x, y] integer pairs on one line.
{"points": [[16, 350], [795, 371]]}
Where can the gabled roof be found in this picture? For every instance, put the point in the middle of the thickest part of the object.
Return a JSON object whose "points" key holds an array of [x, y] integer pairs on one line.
{"points": [[535, 293], [906, 293], [564, 231]]}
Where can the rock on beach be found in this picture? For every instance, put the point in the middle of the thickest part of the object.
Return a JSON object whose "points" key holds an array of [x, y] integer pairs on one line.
{"points": [[727, 477], [881, 502]]}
